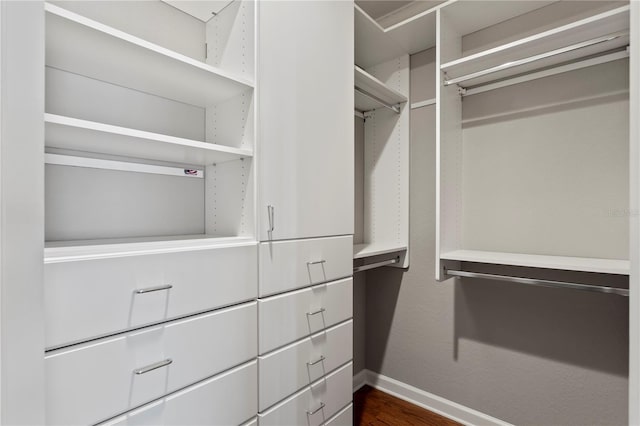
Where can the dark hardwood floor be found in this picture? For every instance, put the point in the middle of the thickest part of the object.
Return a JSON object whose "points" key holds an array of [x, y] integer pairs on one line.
{"points": [[376, 408]]}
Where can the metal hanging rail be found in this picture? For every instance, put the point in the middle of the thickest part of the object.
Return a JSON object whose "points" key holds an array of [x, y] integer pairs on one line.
{"points": [[394, 108], [376, 265], [95, 163], [539, 282], [530, 59]]}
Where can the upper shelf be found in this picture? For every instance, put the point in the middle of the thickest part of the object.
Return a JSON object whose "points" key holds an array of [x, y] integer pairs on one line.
{"points": [[586, 37], [584, 264], [81, 135], [80, 45], [361, 251], [371, 93], [199, 9]]}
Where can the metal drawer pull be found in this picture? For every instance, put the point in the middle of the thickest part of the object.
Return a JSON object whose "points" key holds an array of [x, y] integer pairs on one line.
{"points": [[152, 289], [322, 358], [152, 367], [311, 413], [317, 262], [319, 311]]}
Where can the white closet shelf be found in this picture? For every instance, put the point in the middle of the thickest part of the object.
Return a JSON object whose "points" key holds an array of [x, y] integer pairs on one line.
{"points": [[372, 93], [202, 10], [583, 264], [593, 35], [69, 251], [372, 45], [81, 135], [361, 251], [86, 47]]}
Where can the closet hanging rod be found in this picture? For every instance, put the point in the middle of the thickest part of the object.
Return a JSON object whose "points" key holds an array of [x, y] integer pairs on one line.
{"points": [[539, 282], [95, 163], [376, 265], [534, 58], [394, 108]]}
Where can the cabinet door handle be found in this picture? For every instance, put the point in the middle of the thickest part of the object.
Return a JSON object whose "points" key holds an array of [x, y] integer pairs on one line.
{"points": [[271, 214], [319, 311], [152, 367], [311, 413], [316, 262], [321, 359], [152, 289]]}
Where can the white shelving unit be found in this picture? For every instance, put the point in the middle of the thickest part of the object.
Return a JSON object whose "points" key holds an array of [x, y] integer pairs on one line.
{"points": [[371, 93], [382, 98], [160, 112], [493, 69]]}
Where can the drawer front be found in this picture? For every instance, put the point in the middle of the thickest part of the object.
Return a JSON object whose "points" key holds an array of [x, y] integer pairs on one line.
{"points": [[287, 265], [292, 316], [227, 399], [343, 418], [293, 367], [104, 294], [95, 381], [314, 405]]}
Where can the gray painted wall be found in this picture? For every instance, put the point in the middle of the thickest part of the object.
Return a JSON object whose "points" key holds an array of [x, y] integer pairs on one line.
{"points": [[529, 356]]}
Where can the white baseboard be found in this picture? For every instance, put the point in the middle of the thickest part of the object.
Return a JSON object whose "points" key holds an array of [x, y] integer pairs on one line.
{"points": [[359, 380], [431, 402]]}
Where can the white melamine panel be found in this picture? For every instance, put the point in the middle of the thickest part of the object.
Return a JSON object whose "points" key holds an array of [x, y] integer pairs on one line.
{"points": [[342, 418], [229, 198], [386, 162], [306, 119], [287, 265], [93, 382], [289, 369], [227, 399], [106, 298], [82, 135], [291, 316], [88, 203], [74, 95], [81, 45], [202, 10], [367, 83], [448, 146], [315, 404], [372, 45], [230, 38]]}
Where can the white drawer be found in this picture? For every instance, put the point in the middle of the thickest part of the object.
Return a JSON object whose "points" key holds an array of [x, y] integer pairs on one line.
{"points": [[227, 399], [287, 265], [292, 316], [293, 367], [343, 418], [315, 404], [97, 380], [92, 298]]}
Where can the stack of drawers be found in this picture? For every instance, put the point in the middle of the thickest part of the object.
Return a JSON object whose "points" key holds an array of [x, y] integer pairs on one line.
{"points": [[305, 332], [153, 339]]}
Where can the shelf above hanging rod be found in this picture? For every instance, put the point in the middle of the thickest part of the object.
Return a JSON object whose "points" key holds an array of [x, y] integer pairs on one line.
{"points": [[539, 282], [95, 163], [535, 58], [376, 265], [395, 108]]}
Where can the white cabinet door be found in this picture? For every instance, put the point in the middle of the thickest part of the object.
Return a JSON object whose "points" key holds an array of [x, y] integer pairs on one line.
{"points": [[306, 119]]}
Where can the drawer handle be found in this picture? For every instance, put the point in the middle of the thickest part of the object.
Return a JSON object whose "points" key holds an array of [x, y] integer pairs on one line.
{"points": [[319, 311], [316, 262], [321, 359], [152, 367], [311, 413], [152, 289]]}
